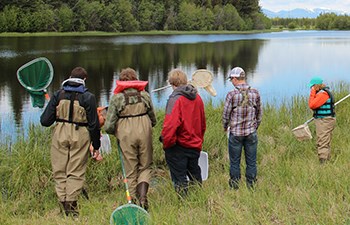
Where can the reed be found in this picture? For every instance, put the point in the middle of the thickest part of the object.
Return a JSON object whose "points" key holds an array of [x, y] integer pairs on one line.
{"points": [[292, 187]]}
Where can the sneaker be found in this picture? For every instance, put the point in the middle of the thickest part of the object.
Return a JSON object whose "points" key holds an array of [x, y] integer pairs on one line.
{"points": [[233, 184]]}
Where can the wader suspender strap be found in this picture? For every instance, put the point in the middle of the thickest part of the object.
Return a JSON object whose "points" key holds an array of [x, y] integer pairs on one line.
{"points": [[71, 107], [142, 114], [139, 99], [128, 95], [73, 97], [76, 123]]}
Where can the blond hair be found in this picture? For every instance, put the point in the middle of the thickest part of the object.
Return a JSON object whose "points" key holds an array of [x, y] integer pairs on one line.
{"points": [[177, 77]]}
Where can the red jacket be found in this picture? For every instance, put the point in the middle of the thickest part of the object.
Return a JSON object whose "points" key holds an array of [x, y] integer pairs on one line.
{"points": [[184, 122]]}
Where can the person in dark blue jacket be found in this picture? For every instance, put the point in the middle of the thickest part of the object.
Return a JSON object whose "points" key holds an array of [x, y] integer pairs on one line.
{"points": [[73, 110]]}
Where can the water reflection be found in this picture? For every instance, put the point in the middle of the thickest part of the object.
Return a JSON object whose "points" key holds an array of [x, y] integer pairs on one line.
{"points": [[279, 64]]}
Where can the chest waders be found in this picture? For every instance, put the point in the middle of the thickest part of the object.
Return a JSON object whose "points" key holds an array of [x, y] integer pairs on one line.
{"points": [[69, 152], [131, 99], [76, 114]]}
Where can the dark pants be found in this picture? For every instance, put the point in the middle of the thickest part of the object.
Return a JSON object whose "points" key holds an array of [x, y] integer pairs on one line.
{"points": [[235, 146], [183, 163]]}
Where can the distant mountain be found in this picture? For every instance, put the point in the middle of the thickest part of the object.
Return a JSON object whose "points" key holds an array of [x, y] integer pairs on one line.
{"points": [[299, 13]]}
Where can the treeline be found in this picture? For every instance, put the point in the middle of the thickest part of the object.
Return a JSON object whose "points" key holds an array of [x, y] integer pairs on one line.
{"points": [[325, 21], [130, 15]]}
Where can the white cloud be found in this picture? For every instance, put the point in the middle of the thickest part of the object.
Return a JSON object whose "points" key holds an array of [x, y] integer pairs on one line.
{"points": [[277, 5]]}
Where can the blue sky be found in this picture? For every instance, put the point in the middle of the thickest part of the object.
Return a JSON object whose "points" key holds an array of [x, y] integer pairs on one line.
{"points": [[277, 5]]}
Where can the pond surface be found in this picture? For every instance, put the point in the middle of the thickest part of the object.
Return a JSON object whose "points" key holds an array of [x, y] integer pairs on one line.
{"points": [[278, 64]]}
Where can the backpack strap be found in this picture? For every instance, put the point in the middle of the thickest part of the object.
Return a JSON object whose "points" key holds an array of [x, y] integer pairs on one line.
{"points": [[245, 99], [132, 94], [244, 93]]}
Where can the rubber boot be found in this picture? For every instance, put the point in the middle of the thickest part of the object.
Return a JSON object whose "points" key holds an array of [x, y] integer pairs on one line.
{"points": [[142, 189], [71, 208], [323, 161]]}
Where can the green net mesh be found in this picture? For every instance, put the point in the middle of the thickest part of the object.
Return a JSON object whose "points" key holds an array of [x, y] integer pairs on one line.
{"points": [[129, 214], [35, 75], [38, 98]]}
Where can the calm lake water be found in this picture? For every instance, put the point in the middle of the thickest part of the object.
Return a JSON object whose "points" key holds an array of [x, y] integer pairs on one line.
{"points": [[278, 64]]}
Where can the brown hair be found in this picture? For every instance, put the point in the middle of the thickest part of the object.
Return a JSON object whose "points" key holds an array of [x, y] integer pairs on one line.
{"points": [[127, 74], [79, 72], [319, 86], [177, 77]]}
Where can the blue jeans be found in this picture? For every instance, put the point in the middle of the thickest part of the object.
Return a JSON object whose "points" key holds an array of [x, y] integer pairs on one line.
{"points": [[235, 146]]}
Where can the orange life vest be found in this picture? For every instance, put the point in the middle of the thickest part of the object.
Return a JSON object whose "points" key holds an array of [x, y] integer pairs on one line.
{"points": [[137, 84]]}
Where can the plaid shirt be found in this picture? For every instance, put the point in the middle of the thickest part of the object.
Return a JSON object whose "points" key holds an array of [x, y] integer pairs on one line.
{"points": [[242, 120]]}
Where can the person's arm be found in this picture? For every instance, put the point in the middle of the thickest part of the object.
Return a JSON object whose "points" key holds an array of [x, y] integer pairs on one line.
{"points": [[171, 123], [317, 99], [204, 124], [48, 117], [112, 114], [259, 110], [150, 108], [93, 122], [227, 111]]}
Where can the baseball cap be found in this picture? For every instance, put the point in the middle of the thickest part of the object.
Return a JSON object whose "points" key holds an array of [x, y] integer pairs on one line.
{"points": [[236, 72], [315, 80]]}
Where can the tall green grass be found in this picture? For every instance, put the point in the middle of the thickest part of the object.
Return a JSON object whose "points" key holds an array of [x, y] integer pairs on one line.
{"points": [[292, 187]]}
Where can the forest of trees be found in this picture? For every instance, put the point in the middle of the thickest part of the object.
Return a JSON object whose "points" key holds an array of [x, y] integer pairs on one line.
{"points": [[326, 21], [148, 15], [130, 15]]}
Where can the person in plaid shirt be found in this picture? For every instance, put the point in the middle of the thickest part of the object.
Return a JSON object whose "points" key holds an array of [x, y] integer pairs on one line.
{"points": [[241, 118]]}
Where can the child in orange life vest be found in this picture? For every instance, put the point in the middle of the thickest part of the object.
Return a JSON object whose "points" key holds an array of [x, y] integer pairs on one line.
{"points": [[101, 112], [130, 118], [321, 101]]}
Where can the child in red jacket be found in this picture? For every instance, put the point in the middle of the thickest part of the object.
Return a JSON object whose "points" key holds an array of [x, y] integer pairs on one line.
{"points": [[183, 132]]}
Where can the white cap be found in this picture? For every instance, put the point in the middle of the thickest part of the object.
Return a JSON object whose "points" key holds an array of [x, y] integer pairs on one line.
{"points": [[236, 72]]}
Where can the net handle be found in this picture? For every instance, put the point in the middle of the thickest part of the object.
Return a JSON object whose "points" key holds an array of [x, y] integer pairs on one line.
{"points": [[209, 88], [311, 119], [125, 180]]}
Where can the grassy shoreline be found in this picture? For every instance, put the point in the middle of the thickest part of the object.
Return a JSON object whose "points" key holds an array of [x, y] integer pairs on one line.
{"points": [[139, 33], [292, 188]]}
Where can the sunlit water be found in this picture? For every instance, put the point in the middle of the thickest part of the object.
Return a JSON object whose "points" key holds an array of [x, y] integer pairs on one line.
{"points": [[278, 64]]}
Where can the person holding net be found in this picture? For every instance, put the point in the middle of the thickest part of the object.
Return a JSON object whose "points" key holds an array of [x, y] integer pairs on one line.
{"points": [[73, 108], [321, 101], [130, 117], [183, 132]]}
